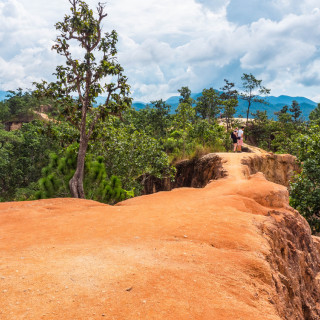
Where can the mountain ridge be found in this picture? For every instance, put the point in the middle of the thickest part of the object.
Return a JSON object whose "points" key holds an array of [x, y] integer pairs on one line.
{"points": [[274, 104]]}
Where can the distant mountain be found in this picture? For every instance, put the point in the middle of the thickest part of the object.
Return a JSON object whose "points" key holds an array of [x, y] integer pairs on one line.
{"points": [[274, 104]]}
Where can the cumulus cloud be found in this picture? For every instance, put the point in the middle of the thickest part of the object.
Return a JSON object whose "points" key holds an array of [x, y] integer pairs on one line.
{"points": [[166, 44]]}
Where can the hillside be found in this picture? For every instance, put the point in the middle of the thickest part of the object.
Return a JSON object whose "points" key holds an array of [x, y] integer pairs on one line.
{"points": [[231, 250]]}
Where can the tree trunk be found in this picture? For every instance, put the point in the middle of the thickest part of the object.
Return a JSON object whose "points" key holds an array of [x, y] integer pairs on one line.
{"points": [[76, 182], [249, 104]]}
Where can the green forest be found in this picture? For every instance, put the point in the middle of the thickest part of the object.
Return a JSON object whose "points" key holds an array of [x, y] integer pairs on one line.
{"points": [[106, 152]]}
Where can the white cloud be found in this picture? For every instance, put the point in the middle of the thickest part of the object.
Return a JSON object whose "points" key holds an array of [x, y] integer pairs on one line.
{"points": [[166, 44]]}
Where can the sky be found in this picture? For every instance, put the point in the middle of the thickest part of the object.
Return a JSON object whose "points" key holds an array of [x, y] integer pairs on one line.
{"points": [[164, 44]]}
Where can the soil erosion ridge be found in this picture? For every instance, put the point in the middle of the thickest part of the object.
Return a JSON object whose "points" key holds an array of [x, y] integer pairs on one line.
{"points": [[231, 250]]}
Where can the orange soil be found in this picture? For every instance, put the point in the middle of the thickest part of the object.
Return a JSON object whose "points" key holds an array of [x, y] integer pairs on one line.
{"points": [[184, 254]]}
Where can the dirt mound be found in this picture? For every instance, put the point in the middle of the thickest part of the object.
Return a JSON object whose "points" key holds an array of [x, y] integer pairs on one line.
{"points": [[232, 250]]}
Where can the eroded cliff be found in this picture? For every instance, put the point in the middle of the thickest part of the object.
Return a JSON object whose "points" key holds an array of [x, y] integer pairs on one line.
{"points": [[198, 172], [231, 250]]}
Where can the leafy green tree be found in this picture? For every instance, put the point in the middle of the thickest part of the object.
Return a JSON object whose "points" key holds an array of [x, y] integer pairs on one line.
{"points": [[229, 91], [259, 131], [208, 104], [23, 153], [185, 115], [160, 118], [305, 188], [155, 119], [296, 111], [185, 94], [130, 154], [83, 75], [315, 113], [252, 90], [229, 98], [283, 115], [229, 106], [207, 134], [8, 144]]}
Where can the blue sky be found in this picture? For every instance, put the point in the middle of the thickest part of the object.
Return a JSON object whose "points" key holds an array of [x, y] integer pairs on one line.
{"points": [[164, 44]]}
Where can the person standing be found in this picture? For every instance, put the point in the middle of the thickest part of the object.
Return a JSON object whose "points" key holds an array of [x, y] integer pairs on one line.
{"points": [[240, 139], [234, 137]]}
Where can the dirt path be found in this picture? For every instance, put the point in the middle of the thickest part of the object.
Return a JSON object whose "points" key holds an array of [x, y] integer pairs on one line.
{"points": [[232, 162]]}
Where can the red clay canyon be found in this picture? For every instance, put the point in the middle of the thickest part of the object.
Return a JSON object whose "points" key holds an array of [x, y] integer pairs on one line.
{"points": [[231, 250]]}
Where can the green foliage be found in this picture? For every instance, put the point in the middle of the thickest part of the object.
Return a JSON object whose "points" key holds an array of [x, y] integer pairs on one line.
{"points": [[18, 106], [208, 104], [229, 101], [296, 111], [130, 154], [315, 114], [185, 114], [57, 174], [276, 136], [154, 120], [23, 153], [305, 188], [120, 155], [185, 94]]}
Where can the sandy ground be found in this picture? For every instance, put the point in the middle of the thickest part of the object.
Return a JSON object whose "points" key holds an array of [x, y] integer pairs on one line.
{"points": [[184, 254]]}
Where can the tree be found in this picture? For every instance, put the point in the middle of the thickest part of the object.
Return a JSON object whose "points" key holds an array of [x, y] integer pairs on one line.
{"points": [[295, 110], [305, 188], [130, 154], [252, 90], [283, 115], [23, 153], [229, 97], [185, 94], [159, 117], [315, 113], [82, 76], [229, 110], [228, 91], [185, 114], [208, 104]]}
